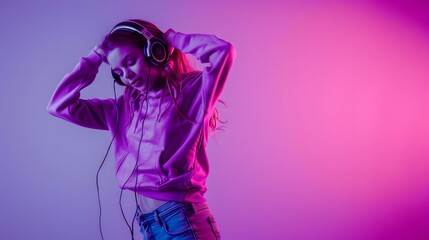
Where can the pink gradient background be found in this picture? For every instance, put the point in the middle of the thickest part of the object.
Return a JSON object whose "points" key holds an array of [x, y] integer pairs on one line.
{"points": [[328, 119]]}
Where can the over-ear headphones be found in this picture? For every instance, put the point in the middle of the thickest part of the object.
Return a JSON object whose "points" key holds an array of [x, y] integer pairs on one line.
{"points": [[155, 49]]}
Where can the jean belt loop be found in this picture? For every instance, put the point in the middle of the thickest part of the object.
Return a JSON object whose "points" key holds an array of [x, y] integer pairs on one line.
{"points": [[157, 218], [190, 208]]}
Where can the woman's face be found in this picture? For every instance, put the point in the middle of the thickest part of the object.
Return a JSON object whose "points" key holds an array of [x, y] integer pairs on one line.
{"points": [[130, 64]]}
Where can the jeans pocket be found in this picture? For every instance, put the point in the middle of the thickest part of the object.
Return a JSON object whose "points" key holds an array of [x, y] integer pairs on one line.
{"points": [[213, 225], [176, 224], [204, 225]]}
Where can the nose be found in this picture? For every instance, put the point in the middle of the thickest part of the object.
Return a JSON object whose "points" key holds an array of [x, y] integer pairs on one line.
{"points": [[129, 75]]}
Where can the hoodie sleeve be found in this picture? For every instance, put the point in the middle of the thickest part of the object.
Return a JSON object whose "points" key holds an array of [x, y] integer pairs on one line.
{"points": [[219, 55], [67, 104]]}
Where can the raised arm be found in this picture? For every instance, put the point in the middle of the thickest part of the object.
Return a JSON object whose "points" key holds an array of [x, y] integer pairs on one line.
{"points": [[210, 49], [66, 103]]}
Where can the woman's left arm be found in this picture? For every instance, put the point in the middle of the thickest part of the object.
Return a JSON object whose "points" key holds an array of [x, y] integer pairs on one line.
{"points": [[210, 49]]}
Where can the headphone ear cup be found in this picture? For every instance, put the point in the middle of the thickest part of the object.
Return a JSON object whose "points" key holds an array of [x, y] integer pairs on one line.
{"points": [[157, 52], [117, 78]]}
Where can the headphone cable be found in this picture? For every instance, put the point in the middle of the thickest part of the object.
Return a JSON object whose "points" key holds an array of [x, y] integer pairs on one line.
{"points": [[131, 228], [138, 151], [102, 163]]}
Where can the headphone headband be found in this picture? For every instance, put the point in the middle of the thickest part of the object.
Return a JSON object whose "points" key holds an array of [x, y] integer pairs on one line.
{"points": [[133, 26], [155, 50]]}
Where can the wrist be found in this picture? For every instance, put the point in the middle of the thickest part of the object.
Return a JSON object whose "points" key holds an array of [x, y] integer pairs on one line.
{"points": [[169, 35], [98, 51], [93, 58]]}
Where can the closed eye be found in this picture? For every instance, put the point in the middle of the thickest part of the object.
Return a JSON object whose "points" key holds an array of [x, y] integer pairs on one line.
{"points": [[131, 61]]}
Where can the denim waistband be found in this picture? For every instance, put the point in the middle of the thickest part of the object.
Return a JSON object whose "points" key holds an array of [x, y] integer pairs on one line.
{"points": [[167, 208]]}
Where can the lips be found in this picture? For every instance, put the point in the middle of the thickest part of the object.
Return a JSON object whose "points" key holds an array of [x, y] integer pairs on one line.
{"points": [[135, 81]]}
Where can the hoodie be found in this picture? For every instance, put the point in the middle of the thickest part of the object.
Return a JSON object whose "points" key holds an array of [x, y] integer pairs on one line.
{"points": [[171, 161]]}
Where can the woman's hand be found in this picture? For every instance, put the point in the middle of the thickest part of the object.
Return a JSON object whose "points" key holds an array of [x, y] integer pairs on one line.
{"points": [[99, 52], [167, 40]]}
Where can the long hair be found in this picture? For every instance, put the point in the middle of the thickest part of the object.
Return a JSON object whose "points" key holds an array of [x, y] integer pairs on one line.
{"points": [[178, 64]]}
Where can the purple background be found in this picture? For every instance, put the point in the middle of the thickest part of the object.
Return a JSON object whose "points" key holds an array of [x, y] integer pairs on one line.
{"points": [[328, 119]]}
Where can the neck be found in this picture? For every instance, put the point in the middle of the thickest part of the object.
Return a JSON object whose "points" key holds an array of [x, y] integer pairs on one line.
{"points": [[159, 84]]}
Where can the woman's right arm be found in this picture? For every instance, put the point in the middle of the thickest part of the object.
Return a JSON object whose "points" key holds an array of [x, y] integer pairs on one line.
{"points": [[67, 104]]}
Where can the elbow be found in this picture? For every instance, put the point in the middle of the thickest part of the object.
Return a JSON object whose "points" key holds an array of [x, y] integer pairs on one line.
{"points": [[231, 49], [52, 109], [230, 54]]}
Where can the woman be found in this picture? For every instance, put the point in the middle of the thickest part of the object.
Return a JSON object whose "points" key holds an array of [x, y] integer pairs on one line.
{"points": [[160, 124]]}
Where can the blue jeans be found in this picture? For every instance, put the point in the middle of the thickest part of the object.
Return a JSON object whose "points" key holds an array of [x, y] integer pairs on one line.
{"points": [[178, 220]]}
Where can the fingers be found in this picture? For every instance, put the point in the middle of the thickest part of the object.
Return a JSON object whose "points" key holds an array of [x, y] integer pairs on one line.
{"points": [[168, 34], [100, 52]]}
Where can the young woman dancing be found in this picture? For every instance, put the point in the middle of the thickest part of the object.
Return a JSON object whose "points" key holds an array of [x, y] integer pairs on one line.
{"points": [[160, 124]]}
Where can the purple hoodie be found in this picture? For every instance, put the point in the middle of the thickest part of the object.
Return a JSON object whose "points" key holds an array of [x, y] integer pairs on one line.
{"points": [[172, 163]]}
